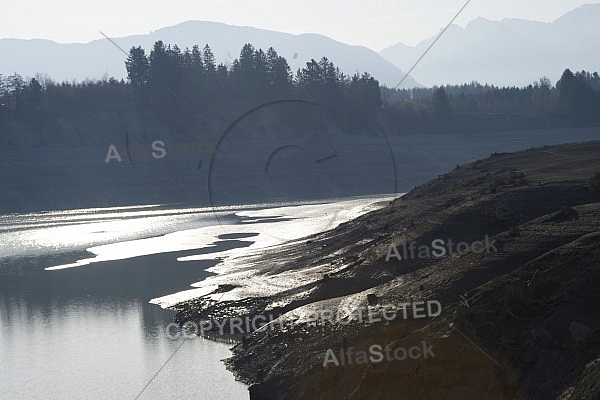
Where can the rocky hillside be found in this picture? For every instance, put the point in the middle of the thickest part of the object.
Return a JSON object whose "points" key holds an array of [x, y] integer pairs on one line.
{"points": [[519, 307]]}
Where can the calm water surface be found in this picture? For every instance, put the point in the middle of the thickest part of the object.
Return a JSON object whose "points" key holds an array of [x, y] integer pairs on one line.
{"points": [[89, 332], [78, 324]]}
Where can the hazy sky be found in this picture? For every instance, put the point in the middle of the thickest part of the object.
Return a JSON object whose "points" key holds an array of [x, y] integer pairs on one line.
{"points": [[375, 24]]}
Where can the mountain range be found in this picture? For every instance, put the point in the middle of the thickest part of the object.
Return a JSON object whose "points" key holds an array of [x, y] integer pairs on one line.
{"points": [[94, 59], [506, 53]]}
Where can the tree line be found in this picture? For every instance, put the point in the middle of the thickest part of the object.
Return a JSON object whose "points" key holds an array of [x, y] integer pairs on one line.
{"points": [[180, 85], [573, 101], [168, 76]]}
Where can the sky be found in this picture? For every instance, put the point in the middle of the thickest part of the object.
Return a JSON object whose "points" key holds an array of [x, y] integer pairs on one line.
{"points": [[374, 24]]}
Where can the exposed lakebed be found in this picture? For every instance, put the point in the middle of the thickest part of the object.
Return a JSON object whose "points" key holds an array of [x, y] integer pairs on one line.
{"points": [[75, 290]]}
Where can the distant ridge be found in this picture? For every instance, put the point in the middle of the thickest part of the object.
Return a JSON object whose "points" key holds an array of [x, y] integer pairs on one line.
{"points": [[92, 60], [508, 52]]}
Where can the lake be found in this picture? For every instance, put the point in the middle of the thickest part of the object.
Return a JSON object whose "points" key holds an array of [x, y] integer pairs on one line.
{"points": [[76, 287]]}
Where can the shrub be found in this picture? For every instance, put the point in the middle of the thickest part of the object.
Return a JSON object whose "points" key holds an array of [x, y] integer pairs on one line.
{"points": [[594, 183]]}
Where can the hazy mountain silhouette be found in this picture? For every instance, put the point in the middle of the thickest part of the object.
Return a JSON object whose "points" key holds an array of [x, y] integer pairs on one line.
{"points": [[93, 59], [508, 52]]}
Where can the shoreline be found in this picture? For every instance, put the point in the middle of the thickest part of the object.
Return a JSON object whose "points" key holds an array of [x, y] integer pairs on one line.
{"points": [[513, 198], [97, 320], [116, 280]]}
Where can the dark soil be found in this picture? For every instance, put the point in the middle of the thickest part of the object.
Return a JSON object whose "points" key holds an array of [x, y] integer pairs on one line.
{"points": [[518, 323]]}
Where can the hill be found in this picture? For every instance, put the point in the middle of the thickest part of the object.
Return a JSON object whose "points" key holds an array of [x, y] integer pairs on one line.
{"points": [[517, 321], [508, 52], [92, 60]]}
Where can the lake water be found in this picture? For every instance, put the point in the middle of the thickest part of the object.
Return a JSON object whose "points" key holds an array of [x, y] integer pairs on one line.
{"points": [[76, 320]]}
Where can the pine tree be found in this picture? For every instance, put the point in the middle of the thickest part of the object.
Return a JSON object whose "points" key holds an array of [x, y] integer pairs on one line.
{"points": [[278, 71], [137, 67], [246, 61], [196, 60], [208, 58], [439, 102], [35, 92]]}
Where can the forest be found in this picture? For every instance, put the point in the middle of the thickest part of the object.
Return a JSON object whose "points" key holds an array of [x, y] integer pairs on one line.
{"points": [[185, 87]]}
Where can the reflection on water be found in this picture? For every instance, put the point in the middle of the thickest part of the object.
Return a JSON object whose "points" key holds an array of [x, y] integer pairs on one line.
{"points": [[91, 350], [90, 333], [59, 231]]}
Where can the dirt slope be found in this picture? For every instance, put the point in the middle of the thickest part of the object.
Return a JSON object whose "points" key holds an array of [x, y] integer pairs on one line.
{"points": [[519, 321]]}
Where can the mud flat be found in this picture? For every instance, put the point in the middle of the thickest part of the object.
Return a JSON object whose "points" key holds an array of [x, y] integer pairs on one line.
{"points": [[517, 322]]}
